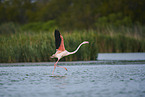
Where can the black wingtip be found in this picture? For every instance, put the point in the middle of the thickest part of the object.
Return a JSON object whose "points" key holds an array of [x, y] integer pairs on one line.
{"points": [[57, 33], [56, 30], [57, 39]]}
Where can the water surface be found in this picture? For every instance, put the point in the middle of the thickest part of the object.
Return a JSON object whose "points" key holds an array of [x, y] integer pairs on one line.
{"points": [[81, 80], [121, 56]]}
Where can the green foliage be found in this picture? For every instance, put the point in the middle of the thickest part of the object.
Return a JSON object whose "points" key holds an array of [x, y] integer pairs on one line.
{"points": [[114, 19], [73, 14], [15, 10], [40, 26]]}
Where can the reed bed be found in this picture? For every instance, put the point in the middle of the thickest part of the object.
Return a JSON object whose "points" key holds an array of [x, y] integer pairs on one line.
{"points": [[38, 47]]}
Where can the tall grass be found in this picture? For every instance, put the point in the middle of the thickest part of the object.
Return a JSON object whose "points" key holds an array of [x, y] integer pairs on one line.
{"points": [[37, 47]]}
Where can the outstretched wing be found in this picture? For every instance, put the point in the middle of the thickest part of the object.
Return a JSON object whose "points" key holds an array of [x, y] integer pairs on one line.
{"points": [[59, 43]]}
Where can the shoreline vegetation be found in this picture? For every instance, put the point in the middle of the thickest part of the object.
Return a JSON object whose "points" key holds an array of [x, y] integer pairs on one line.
{"points": [[17, 44]]}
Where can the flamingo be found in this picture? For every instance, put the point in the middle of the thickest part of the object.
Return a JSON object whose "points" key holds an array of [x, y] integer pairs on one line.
{"points": [[60, 49]]}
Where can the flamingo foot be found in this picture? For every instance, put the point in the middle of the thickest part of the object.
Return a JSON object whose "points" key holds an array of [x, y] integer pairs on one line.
{"points": [[66, 69]]}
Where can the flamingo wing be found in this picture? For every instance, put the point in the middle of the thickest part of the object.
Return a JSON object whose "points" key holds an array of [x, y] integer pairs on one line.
{"points": [[59, 43]]}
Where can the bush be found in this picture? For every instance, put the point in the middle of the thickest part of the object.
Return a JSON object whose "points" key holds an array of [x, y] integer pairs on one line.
{"points": [[40, 26], [114, 19]]}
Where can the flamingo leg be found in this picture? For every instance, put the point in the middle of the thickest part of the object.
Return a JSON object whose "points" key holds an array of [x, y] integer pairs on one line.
{"points": [[62, 67], [55, 66], [58, 66]]}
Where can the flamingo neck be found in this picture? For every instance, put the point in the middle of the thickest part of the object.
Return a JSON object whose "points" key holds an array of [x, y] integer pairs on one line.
{"points": [[76, 49]]}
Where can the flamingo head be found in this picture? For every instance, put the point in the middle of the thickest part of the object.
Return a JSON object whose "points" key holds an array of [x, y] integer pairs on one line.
{"points": [[85, 42]]}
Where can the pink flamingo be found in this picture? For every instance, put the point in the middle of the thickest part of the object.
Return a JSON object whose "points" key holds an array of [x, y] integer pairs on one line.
{"points": [[60, 49]]}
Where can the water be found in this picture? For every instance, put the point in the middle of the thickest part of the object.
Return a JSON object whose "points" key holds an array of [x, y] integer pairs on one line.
{"points": [[121, 56], [83, 79]]}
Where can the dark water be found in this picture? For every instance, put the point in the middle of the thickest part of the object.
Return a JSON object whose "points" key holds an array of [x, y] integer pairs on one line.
{"points": [[81, 80]]}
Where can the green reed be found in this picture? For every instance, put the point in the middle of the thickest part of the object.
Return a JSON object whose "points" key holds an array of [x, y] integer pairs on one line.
{"points": [[38, 47]]}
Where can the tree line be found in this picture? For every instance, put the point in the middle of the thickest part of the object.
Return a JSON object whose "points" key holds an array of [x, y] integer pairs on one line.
{"points": [[70, 14]]}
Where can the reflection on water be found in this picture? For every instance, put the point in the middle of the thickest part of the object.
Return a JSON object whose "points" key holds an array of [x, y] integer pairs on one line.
{"points": [[79, 81]]}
